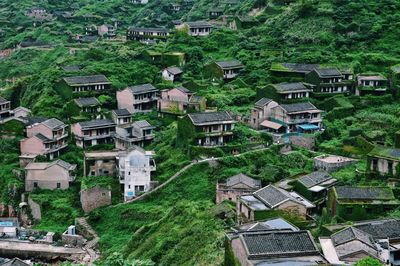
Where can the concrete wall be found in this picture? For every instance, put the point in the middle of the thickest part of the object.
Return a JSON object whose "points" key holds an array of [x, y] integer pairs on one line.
{"points": [[332, 166], [47, 178], [72, 240], [239, 251], [39, 128], [35, 210], [32, 145], [125, 100], [293, 208], [95, 197], [301, 141]]}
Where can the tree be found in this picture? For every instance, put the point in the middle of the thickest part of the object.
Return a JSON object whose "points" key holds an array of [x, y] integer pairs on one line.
{"points": [[368, 262]]}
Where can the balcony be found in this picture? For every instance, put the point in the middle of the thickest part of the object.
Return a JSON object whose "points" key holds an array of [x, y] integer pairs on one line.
{"points": [[304, 120], [145, 100]]}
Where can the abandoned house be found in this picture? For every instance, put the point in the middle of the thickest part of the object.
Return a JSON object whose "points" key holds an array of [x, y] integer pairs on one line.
{"points": [[5, 108], [226, 70], [100, 163], [121, 117], [88, 106], [376, 84], [236, 186], [180, 101], [138, 99], [172, 74], [94, 132], [328, 81], [93, 83], [332, 163], [95, 197], [383, 161], [139, 133], [261, 112], [145, 34]]}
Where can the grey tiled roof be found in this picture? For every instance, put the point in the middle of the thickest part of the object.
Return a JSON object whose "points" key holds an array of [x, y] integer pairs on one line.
{"points": [[298, 107], [279, 244], [2, 100], [148, 29], [294, 86], [328, 72], [174, 70], [142, 124], [14, 262], [71, 68], [82, 80], [364, 193], [64, 164], [142, 88], [229, 64], [241, 178], [350, 234], [301, 68], [122, 112], [96, 123], [209, 117], [42, 137], [262, 102], [53, 123], [198, 24], [271, 195], [314, 178], [183, 89], [381, 229], [90, 101], [34, 119]]}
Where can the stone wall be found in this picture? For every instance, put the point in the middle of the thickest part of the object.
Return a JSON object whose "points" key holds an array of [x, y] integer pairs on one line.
{"points": [[72, 240], [35, 210], [95, 197], [307, 142]]}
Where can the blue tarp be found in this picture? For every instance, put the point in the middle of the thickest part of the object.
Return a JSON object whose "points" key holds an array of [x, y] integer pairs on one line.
{"points": [[308, 127]]}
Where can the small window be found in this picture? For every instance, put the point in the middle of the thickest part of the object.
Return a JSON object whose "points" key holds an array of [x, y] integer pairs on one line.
{"points": [[129, 186], [58, 185], [35, 184], [103, 194]]}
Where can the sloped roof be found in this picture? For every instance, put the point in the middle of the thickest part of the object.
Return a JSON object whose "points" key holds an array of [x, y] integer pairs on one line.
{"points": [[122, 112], [42, 137], [183, 89], [199, 24], [53, 123], [272, 196], [242, 178], [350, 234], [293, 86], [96, 123], [71, 68], [279, 244], [142, 88], [381, 229], [2, 100], [148, 29], [364, 193], [385, 152], [298, 107], [314, 178], [379, 77], [209, 117], [174, 70], [14, 262], [45, 165], [229, 64], [294, 67], [34, 119], [142, 124], [83, 80], [89, 101], [328, 72], [262, 102]]}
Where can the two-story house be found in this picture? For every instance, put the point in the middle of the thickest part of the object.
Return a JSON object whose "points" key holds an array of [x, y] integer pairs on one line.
{"points": [[138, 99], [298, 117], [261, 112], [288, 91], [384, 161], [136, 167], [47, 138], [179, 100], [88, 106], [226, 70], [107, 30], [139, 133], [93, 83], [94, 132], [328, 81], [50, 175], [236, 186], [5, 108], [211, 128], [121, 117], [197, 28], [172, 74], [375, 84], [145, 34]]}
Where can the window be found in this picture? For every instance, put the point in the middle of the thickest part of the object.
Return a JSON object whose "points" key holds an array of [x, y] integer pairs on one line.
{"points": [[103, 194], [106, 172], [58, 185], [35, 184], [129, 186]]}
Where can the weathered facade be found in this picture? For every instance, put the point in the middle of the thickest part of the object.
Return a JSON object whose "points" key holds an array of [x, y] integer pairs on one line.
{"points": [[94, 132], [92, 83], [146, 34], [100, 163], [375, 84], [172, 74], [329, 81], [180, 101], [236, 186], [384, 161], [138, 99], [226, 70], [261, 112], [139, 133], [95, 197]]}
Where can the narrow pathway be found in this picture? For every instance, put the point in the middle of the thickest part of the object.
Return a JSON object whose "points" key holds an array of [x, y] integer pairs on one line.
{"points": [[90, 245]]}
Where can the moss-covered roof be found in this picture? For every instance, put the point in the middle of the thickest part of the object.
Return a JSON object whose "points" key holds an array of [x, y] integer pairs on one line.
{"points": [[385, 152], [92, 181]]}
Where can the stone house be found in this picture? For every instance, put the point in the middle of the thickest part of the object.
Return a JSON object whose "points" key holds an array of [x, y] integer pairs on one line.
{"points": [[89, 105], [275, 247], [180, 101], [47, 138], [94, 132], [211, 128], [21, 112], [100, 163], [261, 112], [92, 83], [383, 161], [236, 186], [360, 203], [376, 84], [215, 12], [297, 117], [95, 197], [328, 81], [197, 28], [253, 207], [51, 175], [314, 186], [5, 108], [287, 92], [332, 163], [135, 170], [138, 99], [145, 34], [172, 74], [121, 117], [107, 30], [226, 70], [139, 133]]}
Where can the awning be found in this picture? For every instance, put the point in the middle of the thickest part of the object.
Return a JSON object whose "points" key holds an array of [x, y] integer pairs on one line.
{"points": [[308, 127], [270, 124]]}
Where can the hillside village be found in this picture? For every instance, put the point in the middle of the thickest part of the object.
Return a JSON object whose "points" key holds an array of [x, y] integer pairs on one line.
{"points": [[193, 133]]}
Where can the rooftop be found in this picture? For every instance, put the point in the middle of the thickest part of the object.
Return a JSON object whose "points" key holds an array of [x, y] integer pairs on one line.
{"points": [[53, 123], [174, 70], [294, 67], [142, 124], [229, 64], [262, 102], [267, 225], [96, 123], [137, 89], [122, 112], [45, 165], [385, 152], [84, 80], [210, 117], [328, 72], [272, 196], [2, 100], [350, 234], [299, 107], [333, 159], [199, 24], [364, 193], [15, 262], [90, 101], [378, 77], [148, 29], [243, 179], [183, 89], [381, 229], [287, 87], [71, 68], [314, 178]]}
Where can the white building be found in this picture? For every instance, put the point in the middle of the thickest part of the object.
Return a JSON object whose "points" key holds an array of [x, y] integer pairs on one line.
{"points": [[135, 169]]}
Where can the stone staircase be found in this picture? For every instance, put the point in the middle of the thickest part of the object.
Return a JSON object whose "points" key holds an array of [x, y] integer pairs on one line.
{"points": [[92, 244]]}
